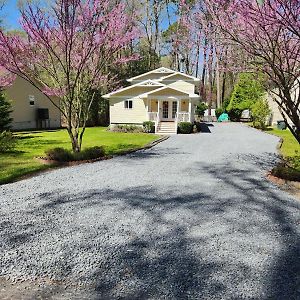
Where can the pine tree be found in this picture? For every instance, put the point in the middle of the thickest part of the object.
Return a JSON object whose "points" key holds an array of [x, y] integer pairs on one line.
{"points": [[5, 110]]}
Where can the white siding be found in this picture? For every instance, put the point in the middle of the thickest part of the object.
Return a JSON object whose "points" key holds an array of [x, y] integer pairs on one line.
{"points": [[276, 114]]}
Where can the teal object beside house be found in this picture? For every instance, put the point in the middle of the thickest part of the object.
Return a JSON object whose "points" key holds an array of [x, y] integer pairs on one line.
{"points": [[223, 118]]}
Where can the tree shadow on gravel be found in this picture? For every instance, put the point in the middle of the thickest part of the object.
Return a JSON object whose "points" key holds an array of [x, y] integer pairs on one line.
{"points": [[284, 273], [141, 243], [154, 153], [204, 127]]}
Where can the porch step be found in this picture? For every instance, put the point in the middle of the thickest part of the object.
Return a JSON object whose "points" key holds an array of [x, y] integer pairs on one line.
{"points": [[166, 128]]}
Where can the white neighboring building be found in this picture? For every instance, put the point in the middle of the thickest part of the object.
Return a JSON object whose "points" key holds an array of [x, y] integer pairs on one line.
{"points": [[275, 112]]}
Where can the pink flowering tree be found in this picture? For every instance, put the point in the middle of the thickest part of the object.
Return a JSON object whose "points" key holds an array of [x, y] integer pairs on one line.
{"points": [[6, 78], [67, 52], [268, 34]]}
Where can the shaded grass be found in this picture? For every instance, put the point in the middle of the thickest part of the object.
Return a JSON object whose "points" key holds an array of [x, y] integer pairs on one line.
{"points": [[33, 144]]}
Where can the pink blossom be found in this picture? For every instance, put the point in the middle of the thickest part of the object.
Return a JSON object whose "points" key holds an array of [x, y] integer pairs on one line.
{"points": [[6, 78]]}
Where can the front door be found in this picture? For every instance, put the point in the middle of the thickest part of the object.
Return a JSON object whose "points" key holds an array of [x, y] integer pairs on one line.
{"points": [[169, 110]]}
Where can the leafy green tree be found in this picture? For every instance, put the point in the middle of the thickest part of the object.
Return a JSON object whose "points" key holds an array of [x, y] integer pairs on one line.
{"points": [[5, 111], [99, 112], [260, 111], [201, 108], [246, 92], [148, 60]]}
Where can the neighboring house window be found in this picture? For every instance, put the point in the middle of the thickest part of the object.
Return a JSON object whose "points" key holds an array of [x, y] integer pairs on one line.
{"points": [[128, 104], [31, 100]]}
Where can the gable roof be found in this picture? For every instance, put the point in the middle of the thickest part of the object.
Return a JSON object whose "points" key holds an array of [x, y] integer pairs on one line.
{"points": [[191, 95], [179, 74], [161, 70], [146, 83]]}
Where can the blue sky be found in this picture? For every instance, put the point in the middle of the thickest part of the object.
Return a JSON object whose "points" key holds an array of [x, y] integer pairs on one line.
{"points": [[10, 14]]}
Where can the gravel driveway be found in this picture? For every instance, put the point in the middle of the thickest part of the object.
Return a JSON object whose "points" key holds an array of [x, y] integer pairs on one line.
{"points": [[191, 218]]}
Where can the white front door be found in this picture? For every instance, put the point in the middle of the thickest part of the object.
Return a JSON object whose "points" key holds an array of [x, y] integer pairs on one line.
{"points": [[169, 110]]}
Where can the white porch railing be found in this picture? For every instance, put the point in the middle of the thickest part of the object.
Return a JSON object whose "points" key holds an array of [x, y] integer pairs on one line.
{"points": [[183, 117], [179, 117], [152, 116]]}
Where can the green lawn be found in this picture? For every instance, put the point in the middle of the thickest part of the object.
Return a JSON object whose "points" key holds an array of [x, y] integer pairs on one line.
{"points": [[290, 146], [290, 150], [32, 144]]}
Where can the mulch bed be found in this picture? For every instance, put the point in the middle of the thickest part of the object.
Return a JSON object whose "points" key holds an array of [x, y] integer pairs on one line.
{"points": [[46, 161], [292, 187]]}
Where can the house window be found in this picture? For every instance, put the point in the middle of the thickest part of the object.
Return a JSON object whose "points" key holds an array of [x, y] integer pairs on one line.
{"points": [[128, 104], [31, 100]]}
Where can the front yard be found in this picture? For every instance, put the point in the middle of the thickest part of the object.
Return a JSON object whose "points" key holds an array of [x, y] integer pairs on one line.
{"points": [[33, 144], [290, 150], [290, 146]]}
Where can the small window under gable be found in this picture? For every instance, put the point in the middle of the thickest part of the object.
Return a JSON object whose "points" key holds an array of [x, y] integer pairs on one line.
{"points": [[128, 104]]}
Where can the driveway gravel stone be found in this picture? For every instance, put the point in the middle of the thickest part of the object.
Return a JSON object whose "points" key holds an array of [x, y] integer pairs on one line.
{"points": [[192, 218]]}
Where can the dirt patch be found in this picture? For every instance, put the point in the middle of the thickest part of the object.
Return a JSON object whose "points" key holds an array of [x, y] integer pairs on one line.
{"points": [[47, 161], [28, 290], [41, 289], [292, 187]]}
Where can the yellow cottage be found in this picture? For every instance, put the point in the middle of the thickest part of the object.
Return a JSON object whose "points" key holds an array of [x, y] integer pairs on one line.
{"points": [[164, 96]]}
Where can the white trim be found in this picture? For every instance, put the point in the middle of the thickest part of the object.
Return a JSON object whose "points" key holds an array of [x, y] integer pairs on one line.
{"points": [[169, 87], [188, 80], [144, 83], [127, 97], [190, 110], [142, 96], [169, 98], [159, 71], [179, 73], [166, 87]]}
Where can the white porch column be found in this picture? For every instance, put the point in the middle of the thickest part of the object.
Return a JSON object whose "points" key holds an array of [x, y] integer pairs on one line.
{"points": [[190, 110], [158, 109], [147, 109]]}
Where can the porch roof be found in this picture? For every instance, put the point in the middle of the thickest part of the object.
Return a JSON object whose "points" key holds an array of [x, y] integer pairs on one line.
{"points": [[171, 92], [145, 84]]}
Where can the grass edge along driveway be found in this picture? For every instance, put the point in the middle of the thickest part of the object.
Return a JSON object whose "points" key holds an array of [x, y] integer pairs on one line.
{"points": [[32, 144], [290, 146], [290, 150]]}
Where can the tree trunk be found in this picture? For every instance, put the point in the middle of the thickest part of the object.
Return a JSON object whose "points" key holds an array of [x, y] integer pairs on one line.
{"points": [[295, 132], [218, 83], [202, 91], [223, 87], [197, 61], [76, 146], [288, 107]]}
